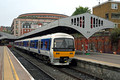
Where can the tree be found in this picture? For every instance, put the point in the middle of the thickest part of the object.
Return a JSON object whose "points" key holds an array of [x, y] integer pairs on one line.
{"points": [[115, 37], [81, 10]]}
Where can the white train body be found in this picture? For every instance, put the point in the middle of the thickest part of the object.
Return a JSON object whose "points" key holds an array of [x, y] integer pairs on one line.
{"points": [[56, 48]]}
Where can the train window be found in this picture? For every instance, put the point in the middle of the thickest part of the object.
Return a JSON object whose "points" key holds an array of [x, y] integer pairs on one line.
{"points": [[49, 44], [30, 44], [33, 44], [37, 44], [22, 43], [46, 43], [65, 44], [41, 45], [27, 44]]}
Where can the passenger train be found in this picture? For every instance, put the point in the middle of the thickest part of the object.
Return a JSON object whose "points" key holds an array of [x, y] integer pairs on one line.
{"points": [[57, 48]]}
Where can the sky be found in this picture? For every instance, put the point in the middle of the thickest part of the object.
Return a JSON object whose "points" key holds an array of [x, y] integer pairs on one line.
{"points": [[10, 9]]}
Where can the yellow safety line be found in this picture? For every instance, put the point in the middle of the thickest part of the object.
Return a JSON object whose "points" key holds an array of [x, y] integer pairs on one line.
{"points": [[16, 76], [7, 68], [3, 66]]}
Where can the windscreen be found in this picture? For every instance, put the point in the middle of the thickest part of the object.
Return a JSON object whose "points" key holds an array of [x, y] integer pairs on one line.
{"points": [[63, 44]]}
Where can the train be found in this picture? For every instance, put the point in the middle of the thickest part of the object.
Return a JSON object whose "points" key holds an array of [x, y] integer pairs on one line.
{"points": [[57, 48]]}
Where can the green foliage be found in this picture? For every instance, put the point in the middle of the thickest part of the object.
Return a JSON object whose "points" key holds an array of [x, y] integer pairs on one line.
{"points": [[77, 35], [81, 10], [115, 36]]}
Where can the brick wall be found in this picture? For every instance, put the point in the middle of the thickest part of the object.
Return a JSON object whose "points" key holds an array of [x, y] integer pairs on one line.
{"points": [[96, 44]]}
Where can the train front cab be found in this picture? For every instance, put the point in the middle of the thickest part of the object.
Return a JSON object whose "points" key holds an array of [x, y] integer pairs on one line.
{"points": [[63, 51]]}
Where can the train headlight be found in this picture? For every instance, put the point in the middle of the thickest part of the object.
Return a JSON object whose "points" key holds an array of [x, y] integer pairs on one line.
{"points": [[57, 53], [71, 53]]}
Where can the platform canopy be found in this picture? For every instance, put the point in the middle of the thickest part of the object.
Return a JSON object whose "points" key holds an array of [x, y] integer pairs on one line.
{"points": [[86, 24], [7, 36]]}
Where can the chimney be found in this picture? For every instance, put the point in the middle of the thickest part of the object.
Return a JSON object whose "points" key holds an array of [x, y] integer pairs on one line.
{"points": [[99, 2]]}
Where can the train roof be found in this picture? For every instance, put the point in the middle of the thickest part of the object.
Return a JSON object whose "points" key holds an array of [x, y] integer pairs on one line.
{"points": [[55, 35]]}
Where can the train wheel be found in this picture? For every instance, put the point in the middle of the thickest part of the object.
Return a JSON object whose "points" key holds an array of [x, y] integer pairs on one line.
{"points": [[48, 60]]}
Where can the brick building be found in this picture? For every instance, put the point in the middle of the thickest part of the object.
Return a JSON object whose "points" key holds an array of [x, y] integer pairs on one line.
{"points": [[27, 22], [5, 29], [109, 10]]}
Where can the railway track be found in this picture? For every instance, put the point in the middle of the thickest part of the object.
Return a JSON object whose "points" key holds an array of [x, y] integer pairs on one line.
{"points": [[52, 72], [64, 72], [91, 76], [41, 73], [75, 73]]}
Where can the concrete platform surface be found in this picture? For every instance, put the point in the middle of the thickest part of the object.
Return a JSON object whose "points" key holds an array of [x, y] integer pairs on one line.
{"points": [[10, 67], [101, 58]]}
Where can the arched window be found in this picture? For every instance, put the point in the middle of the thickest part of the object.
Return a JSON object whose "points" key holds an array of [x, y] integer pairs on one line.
{"points": [[83, 22], [74, 21], [91, 22], [80, 21], [94, 22], [77, 21], [99, 23]]}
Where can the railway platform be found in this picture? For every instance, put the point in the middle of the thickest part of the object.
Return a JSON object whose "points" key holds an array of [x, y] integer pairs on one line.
{"points": [[10, 67], [103, 65], [101, 58]]}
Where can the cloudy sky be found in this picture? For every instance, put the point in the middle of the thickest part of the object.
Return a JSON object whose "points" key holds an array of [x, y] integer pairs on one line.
{"points": [[10, 9]]}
